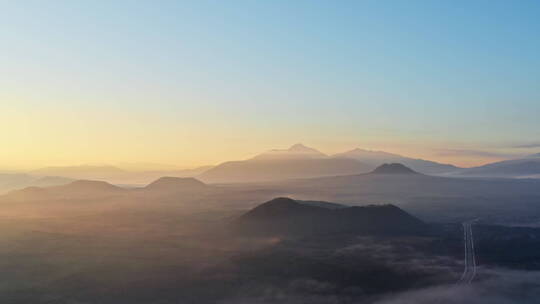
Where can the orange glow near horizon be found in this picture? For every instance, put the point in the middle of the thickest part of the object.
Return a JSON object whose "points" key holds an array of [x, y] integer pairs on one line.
{"points": [[43, 136]]}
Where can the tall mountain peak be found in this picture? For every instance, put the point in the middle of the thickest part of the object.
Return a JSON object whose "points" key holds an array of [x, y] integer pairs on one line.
{"points": [[301, 148], [295, 151]]}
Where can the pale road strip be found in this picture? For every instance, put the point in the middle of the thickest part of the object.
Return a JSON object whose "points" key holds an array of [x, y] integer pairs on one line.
{"points": [[473, 254], [469, 271], [465, 254]]}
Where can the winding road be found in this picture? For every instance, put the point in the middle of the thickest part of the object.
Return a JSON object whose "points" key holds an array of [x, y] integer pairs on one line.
{"points": [[470, 260]]}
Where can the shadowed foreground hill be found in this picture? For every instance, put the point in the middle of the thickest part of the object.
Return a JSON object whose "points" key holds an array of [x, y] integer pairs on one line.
{"points": [[285, 216], [394, 168]]}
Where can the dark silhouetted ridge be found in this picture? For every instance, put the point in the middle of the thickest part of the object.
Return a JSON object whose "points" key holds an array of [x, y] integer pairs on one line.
{"points": [[285, 216], [394, 168], [280, 207]]}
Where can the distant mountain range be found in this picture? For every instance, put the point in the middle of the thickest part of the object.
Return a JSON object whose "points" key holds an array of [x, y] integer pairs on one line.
{"points": [[300, 161], [256, 170], [424, 195], [399, 183], [297, 151], [296, 162], [527, 167], [285, 216], [376, 158]]}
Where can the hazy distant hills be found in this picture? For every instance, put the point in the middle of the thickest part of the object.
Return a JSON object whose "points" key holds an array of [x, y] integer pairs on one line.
{"points": [[424, 195], [296, 162], [14, 181], [114, 174], [95, 189], [74, 190], [376, 158], [285, 216], [516, 168], [81, 172]]}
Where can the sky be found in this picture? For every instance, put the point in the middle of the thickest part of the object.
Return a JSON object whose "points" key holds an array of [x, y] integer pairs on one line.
{"points": [[200, 82]]}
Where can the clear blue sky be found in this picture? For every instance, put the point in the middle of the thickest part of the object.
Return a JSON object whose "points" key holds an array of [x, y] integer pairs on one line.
{"points": [[97, 80]]}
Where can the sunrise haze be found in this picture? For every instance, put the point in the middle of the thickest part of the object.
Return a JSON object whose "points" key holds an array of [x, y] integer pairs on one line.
{"points": [[199, 83]]}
